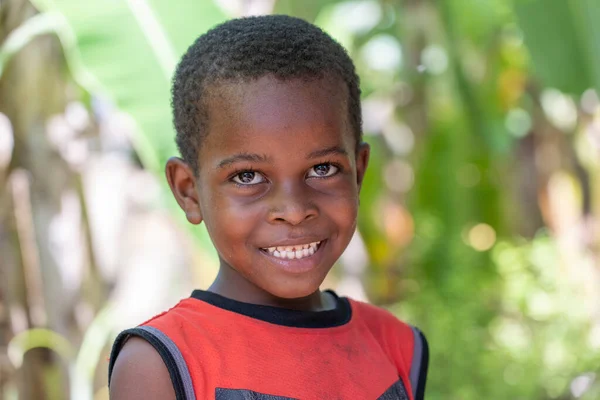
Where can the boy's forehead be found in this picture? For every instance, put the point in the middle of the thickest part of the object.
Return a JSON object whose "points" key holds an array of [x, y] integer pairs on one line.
{"points": [[276, 94], [241, 111]]}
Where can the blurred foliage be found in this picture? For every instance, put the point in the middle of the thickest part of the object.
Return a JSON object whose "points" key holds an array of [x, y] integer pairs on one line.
{"points": [[480, 208], [145, 39]]}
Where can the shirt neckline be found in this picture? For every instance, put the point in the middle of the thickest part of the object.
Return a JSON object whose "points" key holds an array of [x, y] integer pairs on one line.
{"points": [[338, 316]]}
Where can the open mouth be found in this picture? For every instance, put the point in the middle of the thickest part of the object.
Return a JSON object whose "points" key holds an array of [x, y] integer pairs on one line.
{"points": [[295, 252]]}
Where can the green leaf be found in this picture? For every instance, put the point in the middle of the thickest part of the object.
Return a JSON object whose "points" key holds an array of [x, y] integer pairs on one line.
{"points": [[562, 37], [131, 47], [587, 17], [35, 26]]}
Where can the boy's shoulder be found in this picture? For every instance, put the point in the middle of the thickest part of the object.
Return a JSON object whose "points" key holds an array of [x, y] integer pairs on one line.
{"points": [[405, 343]]}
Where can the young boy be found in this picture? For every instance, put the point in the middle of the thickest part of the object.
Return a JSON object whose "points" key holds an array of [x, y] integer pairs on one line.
{"points": [[268, 121]]}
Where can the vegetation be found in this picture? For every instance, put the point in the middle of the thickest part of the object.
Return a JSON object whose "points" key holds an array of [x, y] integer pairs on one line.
{"points": [[480, 214]]}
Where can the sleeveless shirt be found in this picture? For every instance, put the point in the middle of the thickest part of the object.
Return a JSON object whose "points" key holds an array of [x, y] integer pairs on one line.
{"points": [[218, 348]]}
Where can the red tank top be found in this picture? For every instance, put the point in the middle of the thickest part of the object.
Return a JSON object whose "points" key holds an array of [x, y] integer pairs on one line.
{"points": [[218, 348]]}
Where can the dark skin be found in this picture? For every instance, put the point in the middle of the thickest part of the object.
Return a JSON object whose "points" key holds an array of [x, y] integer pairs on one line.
{"points": [[278, 167]]}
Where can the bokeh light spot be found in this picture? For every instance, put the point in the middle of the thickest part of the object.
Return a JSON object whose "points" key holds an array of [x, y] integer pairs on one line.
{"points": [[434, 59], [358, 16], [590, 102], [7, 141], [518, 122], [383, 53], [560, 109], [482, 237], [398, 176]]}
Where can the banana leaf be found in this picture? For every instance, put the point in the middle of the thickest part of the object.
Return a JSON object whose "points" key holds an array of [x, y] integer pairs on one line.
{"points": [[127, 50], [131, 48], [563, 37]]}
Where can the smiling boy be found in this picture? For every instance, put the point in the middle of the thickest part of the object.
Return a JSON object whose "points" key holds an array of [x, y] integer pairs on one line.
{"points": [[268, 120]]}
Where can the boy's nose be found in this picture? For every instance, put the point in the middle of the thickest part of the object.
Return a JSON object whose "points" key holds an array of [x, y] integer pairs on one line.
{"points": [[292, 204]]}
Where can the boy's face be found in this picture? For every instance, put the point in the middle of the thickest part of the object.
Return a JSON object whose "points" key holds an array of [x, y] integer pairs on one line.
{"points": [[278, 184]]}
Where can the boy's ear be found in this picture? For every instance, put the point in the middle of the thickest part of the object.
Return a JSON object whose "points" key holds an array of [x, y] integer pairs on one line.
{"points": [[182, 181], [362, 161]]}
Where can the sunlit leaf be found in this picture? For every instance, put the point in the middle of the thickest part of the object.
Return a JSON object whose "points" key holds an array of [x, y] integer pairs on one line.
{"points": [[132, 47], [562, 37]]}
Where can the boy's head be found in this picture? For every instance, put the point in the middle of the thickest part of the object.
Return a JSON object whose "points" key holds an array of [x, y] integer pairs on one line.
{"points": [[267, 113], [245, 49]]}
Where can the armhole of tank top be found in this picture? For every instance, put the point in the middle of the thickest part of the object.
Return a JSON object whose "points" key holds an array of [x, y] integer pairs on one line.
{"points": [[170, 354], [419, 365]]}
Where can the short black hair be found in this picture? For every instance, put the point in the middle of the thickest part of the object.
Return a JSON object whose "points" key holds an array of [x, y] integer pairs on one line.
{"points": [[249, 48]]}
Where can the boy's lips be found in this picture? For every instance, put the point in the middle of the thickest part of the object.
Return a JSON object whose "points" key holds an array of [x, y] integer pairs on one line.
{"points": [[294, 241], [296, 258], [293, 252]]}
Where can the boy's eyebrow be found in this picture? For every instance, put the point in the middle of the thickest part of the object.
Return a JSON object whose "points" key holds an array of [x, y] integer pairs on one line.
{"points": [[326, 152], [242, 157]]}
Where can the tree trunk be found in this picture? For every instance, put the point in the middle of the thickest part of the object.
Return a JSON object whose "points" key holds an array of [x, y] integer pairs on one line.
{"points": [[33, 87]]}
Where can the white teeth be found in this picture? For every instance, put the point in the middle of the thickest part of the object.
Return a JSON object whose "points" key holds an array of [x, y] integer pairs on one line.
{"points": [[295, 252]]}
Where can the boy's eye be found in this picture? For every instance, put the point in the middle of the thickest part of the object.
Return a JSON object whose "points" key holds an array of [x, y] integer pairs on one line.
{"points": [[248, 178], [322, 170]]}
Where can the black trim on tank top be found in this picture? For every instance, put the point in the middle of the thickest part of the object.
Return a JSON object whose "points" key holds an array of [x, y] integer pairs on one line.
{"points": [[162, 350], [420, 395], [340, 315]]}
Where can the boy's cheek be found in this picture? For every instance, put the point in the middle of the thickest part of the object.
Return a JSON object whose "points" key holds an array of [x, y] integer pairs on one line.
{"points": [[238, 215], [344, 212], [344, 200]]}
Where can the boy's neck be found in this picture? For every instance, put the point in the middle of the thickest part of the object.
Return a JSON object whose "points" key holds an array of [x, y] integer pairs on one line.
{"points": [[233, 286]]}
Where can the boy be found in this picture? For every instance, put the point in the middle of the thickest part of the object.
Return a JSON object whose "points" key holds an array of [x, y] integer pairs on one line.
{"points": [[268, 120]]}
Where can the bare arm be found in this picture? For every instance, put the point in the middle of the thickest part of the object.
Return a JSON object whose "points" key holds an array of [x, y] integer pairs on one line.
{"points": [[140, 374]]}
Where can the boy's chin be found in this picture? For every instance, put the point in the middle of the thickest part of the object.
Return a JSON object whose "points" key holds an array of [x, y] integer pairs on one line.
{"points": [[293, 290]]}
